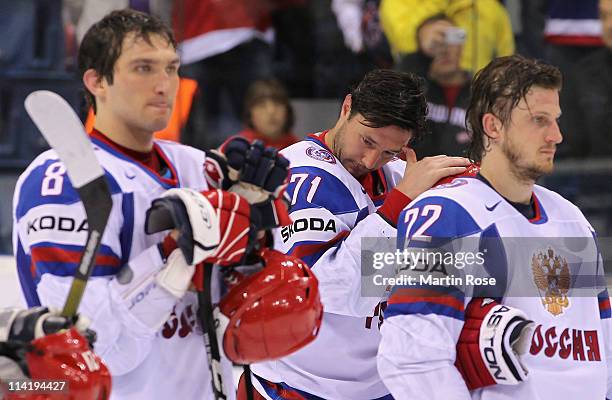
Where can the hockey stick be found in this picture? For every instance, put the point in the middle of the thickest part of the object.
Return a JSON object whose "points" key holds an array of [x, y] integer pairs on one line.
{"points": [[210, 325], [64, 132], [207, 319]]}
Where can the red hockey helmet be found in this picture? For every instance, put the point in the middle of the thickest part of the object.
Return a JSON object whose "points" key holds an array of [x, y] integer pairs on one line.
{"points": [[471, 170], [273, 312], [66, 356]]}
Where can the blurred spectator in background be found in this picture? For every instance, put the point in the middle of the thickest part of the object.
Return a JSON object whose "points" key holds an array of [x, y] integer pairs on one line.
{"points": [[486, 22], [349, 14], [359, 21], [268, 114], [586, 99], [448, 89], [32, 37], [571, 31], [336, 65], [224, 45], [294, 47], [85, 13], [560, 31]]}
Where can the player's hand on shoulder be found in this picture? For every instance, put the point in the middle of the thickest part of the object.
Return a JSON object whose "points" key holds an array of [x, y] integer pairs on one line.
{"points": [[213, 226], [421, 175], [255, 172], [25, 325], [493, 338], [470, 171]]}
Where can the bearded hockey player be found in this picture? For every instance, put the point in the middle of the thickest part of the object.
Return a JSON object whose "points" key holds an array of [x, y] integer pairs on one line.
{"points": [[543, 330]]}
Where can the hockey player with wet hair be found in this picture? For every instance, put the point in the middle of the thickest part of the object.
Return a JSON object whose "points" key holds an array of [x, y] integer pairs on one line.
{"points": [[543, 332]]}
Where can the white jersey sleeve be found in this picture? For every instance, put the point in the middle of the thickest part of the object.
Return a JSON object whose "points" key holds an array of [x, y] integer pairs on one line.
{"points": [[125, 305], [328, 225], [423, 322], [568, 356], [50, 231]]}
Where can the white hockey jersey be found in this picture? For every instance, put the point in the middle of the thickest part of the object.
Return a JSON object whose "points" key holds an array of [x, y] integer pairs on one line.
{"points": [[549, 267], [50, 230], [331, 212]]}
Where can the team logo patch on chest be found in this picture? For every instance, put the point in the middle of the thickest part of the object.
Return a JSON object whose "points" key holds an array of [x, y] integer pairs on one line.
{"points": [[552, 277], [320, 154]]}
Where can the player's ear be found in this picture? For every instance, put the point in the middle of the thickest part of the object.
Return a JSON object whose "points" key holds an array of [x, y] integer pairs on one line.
{"points": [[93, 82], [346, 106], [492, 126]]}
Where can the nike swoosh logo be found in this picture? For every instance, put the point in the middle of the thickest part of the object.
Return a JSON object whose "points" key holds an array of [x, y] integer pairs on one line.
{"points": [[130, 175], [493, 206]]}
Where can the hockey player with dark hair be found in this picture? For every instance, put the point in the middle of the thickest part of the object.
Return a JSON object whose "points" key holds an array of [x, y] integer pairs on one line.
{"points": [[542, 330], [347, 183], [164, 222]]}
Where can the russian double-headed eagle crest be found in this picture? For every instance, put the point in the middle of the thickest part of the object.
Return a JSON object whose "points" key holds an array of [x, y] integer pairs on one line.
{"points": [[552, 277]]}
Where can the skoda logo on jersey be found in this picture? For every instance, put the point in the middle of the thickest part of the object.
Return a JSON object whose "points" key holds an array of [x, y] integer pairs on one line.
{"points": [[320, 154]]}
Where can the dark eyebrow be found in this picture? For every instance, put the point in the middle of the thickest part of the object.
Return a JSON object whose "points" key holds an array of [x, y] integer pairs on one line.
{"points": [[174, 61], [374, 142]]}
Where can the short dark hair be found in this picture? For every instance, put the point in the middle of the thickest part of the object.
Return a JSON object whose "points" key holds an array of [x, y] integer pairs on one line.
{"points": [[264, 89], [101, 46], [499, 87], [391, 98]]}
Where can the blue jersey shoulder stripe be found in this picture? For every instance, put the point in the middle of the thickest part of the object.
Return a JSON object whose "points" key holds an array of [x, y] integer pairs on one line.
{"points": [[329, 193], [445, 218], [31, 190]]}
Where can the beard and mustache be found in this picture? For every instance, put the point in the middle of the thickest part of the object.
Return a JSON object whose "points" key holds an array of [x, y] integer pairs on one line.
{"points": [[524, 170]]}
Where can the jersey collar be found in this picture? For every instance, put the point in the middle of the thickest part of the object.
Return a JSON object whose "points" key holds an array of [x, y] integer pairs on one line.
{"points": [[105, 143]]}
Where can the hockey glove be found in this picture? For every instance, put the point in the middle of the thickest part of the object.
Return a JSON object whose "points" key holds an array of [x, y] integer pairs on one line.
{"points": [[214, 226], [493, 338], [255, 172], [34, 323]]}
